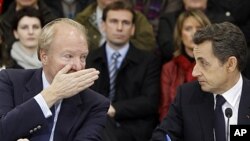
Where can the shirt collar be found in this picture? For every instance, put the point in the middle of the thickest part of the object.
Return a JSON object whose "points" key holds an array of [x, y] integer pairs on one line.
{"points": [[45, 82], [123, 51], [234, 93]]}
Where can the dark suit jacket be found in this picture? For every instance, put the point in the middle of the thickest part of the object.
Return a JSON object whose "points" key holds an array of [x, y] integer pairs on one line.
{"points": [[190, 117], [81, 117], [137, 89]]}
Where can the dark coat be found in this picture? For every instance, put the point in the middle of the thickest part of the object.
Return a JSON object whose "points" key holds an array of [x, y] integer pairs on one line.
{"points": [[81, 117], [191, 116], [137, 89]]}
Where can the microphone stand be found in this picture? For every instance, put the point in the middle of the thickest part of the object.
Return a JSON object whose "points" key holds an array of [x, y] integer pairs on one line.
{"points": [[227, 128], [228, 113]]}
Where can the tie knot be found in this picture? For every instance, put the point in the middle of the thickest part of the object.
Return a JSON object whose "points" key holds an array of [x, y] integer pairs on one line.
{"points": [[115, 55], [220, 100]]}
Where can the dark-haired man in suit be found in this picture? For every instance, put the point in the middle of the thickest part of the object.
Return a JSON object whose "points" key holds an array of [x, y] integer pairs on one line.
{"points": [[198, 112], [128, 76]]}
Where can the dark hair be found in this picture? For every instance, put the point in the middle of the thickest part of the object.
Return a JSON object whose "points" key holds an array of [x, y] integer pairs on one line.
{"points": [[26, 11], [118, 5], [227, 40]]}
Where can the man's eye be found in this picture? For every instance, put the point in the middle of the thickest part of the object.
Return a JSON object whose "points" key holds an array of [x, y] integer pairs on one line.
{"points": [[83, 58], [127, 23], [204, 63], [68, 56]]}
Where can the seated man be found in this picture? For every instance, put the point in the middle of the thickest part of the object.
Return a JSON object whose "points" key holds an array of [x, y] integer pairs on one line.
{"points": [[91, 18], [198, 111], [128, 76], [53, 103]]}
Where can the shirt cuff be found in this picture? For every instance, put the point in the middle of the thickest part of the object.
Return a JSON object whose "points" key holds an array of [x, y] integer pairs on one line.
{"points": [[43, 105]]}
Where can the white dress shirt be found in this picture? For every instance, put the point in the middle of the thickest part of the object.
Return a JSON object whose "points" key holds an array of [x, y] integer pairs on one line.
{"points": [[123, 51], [45, 109], [232, 97]]}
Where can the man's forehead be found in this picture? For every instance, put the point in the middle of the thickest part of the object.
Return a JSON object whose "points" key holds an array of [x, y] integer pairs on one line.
{"points": [[204, 46], [118, 12], [202, 49]]}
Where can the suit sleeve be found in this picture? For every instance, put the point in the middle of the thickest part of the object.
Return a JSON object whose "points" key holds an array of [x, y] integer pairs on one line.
{"points": [[172, 124], [146, 94], [16, 120], [94, 124]]}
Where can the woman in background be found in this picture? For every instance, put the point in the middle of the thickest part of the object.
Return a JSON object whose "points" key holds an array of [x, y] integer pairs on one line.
{"points": [[179, 70], [27, 25]]}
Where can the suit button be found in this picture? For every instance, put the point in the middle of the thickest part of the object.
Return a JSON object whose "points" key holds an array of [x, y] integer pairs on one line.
{"points": [[228, 14], [31, 131], [39, 127], [35, 129]]}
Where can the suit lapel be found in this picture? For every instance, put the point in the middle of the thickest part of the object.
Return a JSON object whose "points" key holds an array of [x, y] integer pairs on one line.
{"points": [[244, 107], [34, 85], [206, 115], [131, 56], [69, 115]]}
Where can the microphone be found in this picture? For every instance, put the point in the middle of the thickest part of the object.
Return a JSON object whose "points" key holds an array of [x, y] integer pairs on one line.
{"points": [[228, 113]]}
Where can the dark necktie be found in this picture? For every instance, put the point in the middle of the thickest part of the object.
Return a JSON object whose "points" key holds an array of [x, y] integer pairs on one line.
{"points": [[219, 124], [45, 134], [112, 74]]}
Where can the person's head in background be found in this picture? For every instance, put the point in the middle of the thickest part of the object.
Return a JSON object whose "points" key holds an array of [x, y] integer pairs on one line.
{"points": [[27, 26], [221, 55], [62, 42], [187, 24], [118, 23], [195, 4], [103, 3], [26, 3]]}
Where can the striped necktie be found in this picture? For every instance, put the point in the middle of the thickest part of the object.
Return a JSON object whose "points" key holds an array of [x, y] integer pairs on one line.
{"points": [[112, 74]]}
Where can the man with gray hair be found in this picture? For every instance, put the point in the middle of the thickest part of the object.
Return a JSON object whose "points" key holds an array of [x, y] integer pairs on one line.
{"points": [[53, 103]]}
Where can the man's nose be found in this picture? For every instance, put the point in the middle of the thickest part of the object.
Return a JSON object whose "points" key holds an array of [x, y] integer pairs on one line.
{"points": [[77, 64], [195, 72], [119, 26]]}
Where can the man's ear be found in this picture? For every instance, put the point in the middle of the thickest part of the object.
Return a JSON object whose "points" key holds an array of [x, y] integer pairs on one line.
{"points": [[133, 30], [232, 63], [43, 56]]}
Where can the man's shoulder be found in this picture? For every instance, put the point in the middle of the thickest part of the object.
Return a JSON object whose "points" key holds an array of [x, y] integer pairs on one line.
{"points": [[190, 86], [141, 54], [86, 13], [18, 73], [94, 97]]}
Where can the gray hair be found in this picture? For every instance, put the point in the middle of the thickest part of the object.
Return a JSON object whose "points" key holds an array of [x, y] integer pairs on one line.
{"points": [[48, 32]]}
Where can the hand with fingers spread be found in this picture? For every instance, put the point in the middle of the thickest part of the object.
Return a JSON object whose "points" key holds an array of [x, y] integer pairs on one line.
{"points": [[54, 102], [67, 84]]}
